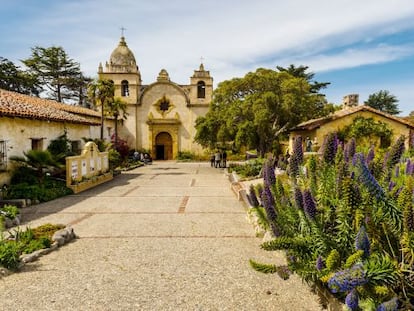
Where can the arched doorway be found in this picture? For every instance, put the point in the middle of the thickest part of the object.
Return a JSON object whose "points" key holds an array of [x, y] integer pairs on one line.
{"points": [[163, 146]]}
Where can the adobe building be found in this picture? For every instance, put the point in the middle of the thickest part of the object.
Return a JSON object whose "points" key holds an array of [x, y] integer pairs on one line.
{"points": [[317, 129], [161, 115], [31, 123]]}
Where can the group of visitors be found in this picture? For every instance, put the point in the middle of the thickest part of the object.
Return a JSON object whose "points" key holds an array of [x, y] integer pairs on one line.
{"points": [[218, 159], [143, 157]]}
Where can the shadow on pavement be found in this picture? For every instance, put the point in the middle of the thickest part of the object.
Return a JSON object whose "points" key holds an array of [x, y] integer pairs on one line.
{"points": [[43, 209]]}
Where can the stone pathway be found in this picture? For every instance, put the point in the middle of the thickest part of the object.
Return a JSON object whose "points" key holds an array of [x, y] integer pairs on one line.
{"points": [[167, 236]]}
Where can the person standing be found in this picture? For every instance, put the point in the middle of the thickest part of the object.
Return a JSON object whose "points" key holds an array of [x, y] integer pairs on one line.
{"points": [[217, 158], [308, 143], [224, 158], [212, 159]]}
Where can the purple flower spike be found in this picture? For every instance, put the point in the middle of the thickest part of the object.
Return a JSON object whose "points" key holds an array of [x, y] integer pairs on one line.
{"points": [[349, 149], [410, 168], [297, 157], [396, 151], [346, 280], [362, 241], [407, 167], [397, 171], [298, 198], [370, 155], [268, 203], [391, 185], [320, 263], [369, 180], [352, 300], [269, 177], [309, 204], [298, 149], [329, 148], [390, 305]]}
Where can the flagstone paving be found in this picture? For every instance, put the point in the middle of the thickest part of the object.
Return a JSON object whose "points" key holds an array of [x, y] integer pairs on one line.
{"points": [[167, 236]]}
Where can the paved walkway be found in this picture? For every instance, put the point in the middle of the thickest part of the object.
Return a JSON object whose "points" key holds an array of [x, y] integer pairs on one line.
{"points": [[168, 236]]}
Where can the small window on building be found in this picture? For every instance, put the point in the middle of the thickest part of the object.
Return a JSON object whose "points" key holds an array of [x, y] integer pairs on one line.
{"points": [[124, 88], [37, 143], [3, 155], [76, 147], [201, 89]]}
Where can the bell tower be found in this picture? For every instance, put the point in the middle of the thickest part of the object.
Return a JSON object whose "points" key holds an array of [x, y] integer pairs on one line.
{"points": [[201, 87], [122, 69]]}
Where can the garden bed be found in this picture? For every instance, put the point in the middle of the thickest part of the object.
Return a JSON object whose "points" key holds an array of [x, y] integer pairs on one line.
{"points": [[16, 261], [345, 220]]}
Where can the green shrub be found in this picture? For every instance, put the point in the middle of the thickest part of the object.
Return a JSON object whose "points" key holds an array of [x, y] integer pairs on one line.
{"points": [[10, 211], [114, 158], [60, 148], [25, 242], [24, 174], [34, 245], [186, 156], [50, 190], [250, 168], [9, 255], [2, 223]]}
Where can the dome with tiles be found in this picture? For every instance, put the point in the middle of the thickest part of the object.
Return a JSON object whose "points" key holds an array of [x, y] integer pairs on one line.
{"points": [[122, 56]]}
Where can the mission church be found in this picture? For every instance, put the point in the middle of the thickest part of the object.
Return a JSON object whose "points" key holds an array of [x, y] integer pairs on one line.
{"points": [[161, 115]]}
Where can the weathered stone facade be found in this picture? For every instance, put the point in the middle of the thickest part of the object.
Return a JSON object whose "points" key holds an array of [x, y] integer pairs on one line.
{"points": [[161, 115]]}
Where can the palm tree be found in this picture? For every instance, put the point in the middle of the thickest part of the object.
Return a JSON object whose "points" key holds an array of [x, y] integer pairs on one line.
{"points": [[116, 109], [37, 160], [101, 92]]}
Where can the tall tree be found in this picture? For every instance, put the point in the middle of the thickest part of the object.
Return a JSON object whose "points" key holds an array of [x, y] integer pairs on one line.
{"points": [[383, 101], [80, 90], [300, 72], [14, 79], [256, 110], [117, 108], [57, 72], [101, 92]]}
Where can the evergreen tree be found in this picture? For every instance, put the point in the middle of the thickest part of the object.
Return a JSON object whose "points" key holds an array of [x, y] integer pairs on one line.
{"points": [[300, 72], [383, 101], [12, 78], [59, 75]]}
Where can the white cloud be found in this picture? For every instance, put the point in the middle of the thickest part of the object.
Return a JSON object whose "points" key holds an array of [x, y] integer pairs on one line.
{"points": [[234, 36], [354, 57]]}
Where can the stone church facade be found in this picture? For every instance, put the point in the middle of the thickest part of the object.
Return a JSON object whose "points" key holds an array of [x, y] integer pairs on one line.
{"points": [[161, 115]]}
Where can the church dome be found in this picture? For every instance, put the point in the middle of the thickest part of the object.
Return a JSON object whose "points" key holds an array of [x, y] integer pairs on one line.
{"points": [[123, 58]]}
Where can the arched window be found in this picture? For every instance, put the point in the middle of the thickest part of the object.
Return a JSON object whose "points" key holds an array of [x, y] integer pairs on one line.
{"points": [[124, 88], [201, 89]]}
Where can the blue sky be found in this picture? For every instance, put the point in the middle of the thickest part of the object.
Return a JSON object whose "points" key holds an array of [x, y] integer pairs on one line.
{"points": [[359, 46]]}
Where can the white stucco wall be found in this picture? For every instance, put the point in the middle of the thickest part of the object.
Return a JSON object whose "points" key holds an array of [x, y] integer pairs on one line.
{"points": [[18, 134]]}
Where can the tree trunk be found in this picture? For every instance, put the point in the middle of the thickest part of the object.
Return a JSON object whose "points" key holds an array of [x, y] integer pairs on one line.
{"points": [[116, 130], [102, 120]]}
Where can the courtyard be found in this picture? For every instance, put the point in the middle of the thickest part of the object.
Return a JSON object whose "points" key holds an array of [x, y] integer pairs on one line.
{"points": [[167, 236]]}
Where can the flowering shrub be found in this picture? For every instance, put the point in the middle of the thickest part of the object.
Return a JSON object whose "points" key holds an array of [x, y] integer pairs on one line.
{"points": [[347, 223]]}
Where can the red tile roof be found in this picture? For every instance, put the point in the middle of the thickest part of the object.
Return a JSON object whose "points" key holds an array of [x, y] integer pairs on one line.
{"points": [[316, 123], [14, 104]]}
